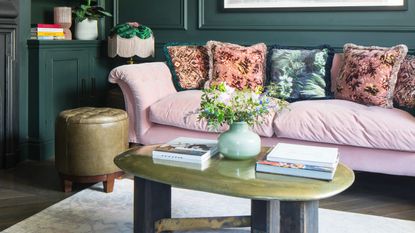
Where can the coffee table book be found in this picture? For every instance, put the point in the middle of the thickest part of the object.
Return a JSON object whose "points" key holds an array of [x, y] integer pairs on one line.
{"points": [[266, 169], [308, 155], [188, 150]]}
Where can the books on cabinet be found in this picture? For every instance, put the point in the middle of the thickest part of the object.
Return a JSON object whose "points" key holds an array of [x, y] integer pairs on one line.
{"points": [[299, 160], [186, 152]]}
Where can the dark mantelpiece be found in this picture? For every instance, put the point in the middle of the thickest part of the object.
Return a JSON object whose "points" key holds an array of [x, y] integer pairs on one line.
{"points": [[8, 83]]}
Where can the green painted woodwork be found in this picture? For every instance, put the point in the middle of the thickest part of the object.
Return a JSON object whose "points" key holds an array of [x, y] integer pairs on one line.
{"points": [[171, 15], [233, 178], [205, 21], [63, 75]]}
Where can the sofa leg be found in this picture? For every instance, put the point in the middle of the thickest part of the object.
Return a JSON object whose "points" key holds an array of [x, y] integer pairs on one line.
{"points": [[67, 185], [109, 183]]}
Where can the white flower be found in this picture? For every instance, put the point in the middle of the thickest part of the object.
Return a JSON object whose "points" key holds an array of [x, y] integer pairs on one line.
{"points": [[224, 98], [229, 90]]}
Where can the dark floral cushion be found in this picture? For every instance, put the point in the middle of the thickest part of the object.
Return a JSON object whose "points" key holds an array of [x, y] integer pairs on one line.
{"points": [[368, 75], [240, 67], [300, 73], [404, 96], [189, 65]]}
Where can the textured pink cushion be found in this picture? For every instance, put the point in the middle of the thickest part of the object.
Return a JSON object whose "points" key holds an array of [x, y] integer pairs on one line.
{"points": [[181, 110], [239, 66], [347, 123], [368, 75]]}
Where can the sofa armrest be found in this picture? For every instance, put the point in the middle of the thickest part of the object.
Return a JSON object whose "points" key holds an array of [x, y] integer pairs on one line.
{"points": [[142, 85]]}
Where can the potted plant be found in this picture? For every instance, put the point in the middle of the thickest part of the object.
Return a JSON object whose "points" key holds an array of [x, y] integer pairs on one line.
{"points": [[86, 20], [240, 109]]}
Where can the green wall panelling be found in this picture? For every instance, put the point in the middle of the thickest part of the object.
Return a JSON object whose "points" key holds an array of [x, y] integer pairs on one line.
{"points": [[157, 14], [205, 21]]}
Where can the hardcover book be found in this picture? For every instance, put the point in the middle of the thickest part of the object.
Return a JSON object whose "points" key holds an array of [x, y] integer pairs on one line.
{"points": [[194, 166], [191, 150], [46, 25], [307, 155], [294, 169]]}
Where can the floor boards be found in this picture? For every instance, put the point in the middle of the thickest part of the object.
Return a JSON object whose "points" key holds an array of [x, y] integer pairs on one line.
{"points": [[33, 186]]}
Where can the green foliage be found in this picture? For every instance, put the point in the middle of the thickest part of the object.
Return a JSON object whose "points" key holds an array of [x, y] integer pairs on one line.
{"points": [[89, 10], [222, 104]]}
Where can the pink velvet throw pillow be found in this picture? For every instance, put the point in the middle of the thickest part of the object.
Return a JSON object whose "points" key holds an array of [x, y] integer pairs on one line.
{"points": [[368, 75], [239, 66], [405, 86]]}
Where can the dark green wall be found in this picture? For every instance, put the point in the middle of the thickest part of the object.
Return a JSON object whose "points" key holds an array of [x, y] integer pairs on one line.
{"points": [[201, 20]]}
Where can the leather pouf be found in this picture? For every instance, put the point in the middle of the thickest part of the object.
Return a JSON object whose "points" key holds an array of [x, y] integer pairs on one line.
{"points": [[86, 141]]}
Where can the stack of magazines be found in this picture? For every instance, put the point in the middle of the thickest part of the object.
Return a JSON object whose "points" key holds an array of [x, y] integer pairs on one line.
{"points": [[298, 160], [193, 153]]}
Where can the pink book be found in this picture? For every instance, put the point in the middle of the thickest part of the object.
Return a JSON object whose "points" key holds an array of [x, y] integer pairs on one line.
{"points": [[44, 25]]}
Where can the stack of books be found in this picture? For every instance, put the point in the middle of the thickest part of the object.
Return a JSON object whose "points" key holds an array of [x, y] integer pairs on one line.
{"points": [[192, 153], [47, 32], [298, 160]]}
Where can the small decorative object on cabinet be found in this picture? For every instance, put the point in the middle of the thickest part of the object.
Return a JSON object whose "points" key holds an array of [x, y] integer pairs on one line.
{"points": [[129, 40], [86, 20], [63, 16], [222, 104], [62, 75]]}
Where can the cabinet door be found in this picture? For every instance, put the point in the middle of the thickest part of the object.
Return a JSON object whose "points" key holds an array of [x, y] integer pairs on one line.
{"points": [[62, 85], [68, 80], [99, 69]]}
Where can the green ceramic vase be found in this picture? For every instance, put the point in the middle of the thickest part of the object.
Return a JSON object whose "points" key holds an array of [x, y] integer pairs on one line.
{"points": [[239, 142]]}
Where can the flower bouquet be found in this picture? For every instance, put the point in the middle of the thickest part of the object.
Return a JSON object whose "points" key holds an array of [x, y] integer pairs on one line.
{"points": [[240, 109]]}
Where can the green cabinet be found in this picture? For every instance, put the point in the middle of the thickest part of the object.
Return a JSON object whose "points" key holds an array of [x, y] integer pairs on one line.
{"points": [[62, 75]]}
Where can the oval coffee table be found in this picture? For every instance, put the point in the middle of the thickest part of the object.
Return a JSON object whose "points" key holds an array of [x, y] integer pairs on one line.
{"points": [[279, 203]]}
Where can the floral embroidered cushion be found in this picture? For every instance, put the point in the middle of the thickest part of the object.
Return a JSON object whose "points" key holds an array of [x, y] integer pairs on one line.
{"points": [[189, 65], [404, 96], [239, 66], [368, 75], [300, 73]]}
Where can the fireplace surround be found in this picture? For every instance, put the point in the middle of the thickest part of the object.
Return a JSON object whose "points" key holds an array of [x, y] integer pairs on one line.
{"points": [[8, 83]]}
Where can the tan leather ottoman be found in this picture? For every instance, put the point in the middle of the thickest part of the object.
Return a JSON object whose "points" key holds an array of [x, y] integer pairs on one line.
{"points": [[86, 142]]}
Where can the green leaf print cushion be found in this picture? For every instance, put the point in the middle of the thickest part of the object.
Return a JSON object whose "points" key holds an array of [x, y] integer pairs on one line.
{"points": [[300, 73]]}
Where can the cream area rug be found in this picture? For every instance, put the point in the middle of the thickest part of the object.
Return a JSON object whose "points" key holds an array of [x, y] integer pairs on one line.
{"points": [[92, 210]]}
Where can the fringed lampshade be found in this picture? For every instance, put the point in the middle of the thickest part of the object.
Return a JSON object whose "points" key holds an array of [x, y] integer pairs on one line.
{"points": [[129, 40]]}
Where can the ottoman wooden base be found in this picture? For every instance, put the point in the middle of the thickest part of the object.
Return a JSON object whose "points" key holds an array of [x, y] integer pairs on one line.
{"points": [[107, 180]]}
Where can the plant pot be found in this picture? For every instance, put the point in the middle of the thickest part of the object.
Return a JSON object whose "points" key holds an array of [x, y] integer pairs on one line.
{"points": [[86, 29], [239, 142]]}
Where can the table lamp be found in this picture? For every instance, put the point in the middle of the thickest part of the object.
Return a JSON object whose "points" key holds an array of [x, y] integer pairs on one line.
{"points": [[131, 39]]}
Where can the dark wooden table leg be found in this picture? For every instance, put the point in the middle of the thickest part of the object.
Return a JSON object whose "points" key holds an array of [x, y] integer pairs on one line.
{"points": [[152, 201], [265, 216], [299, 217]]}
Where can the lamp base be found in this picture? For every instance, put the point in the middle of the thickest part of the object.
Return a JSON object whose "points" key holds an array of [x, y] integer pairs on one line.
{"points": [[130, 61]]}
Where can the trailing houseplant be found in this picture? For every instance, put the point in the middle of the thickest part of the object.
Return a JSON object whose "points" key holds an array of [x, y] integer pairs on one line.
{"points": [[240, 109], [86, 18]]}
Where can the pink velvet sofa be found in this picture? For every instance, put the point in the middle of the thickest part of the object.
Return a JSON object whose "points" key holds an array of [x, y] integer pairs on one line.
{"points": [[371, 139]]}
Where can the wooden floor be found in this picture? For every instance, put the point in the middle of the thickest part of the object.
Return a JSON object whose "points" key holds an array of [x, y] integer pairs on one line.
{"points": [[33, 186]]}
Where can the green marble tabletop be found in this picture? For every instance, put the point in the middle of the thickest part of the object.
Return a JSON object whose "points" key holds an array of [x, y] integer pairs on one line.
{"points": [[233, 178]]}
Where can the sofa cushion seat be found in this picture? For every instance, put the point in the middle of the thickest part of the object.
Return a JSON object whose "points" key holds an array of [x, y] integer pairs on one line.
{"points": [[346, 123], [181, 110]]}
